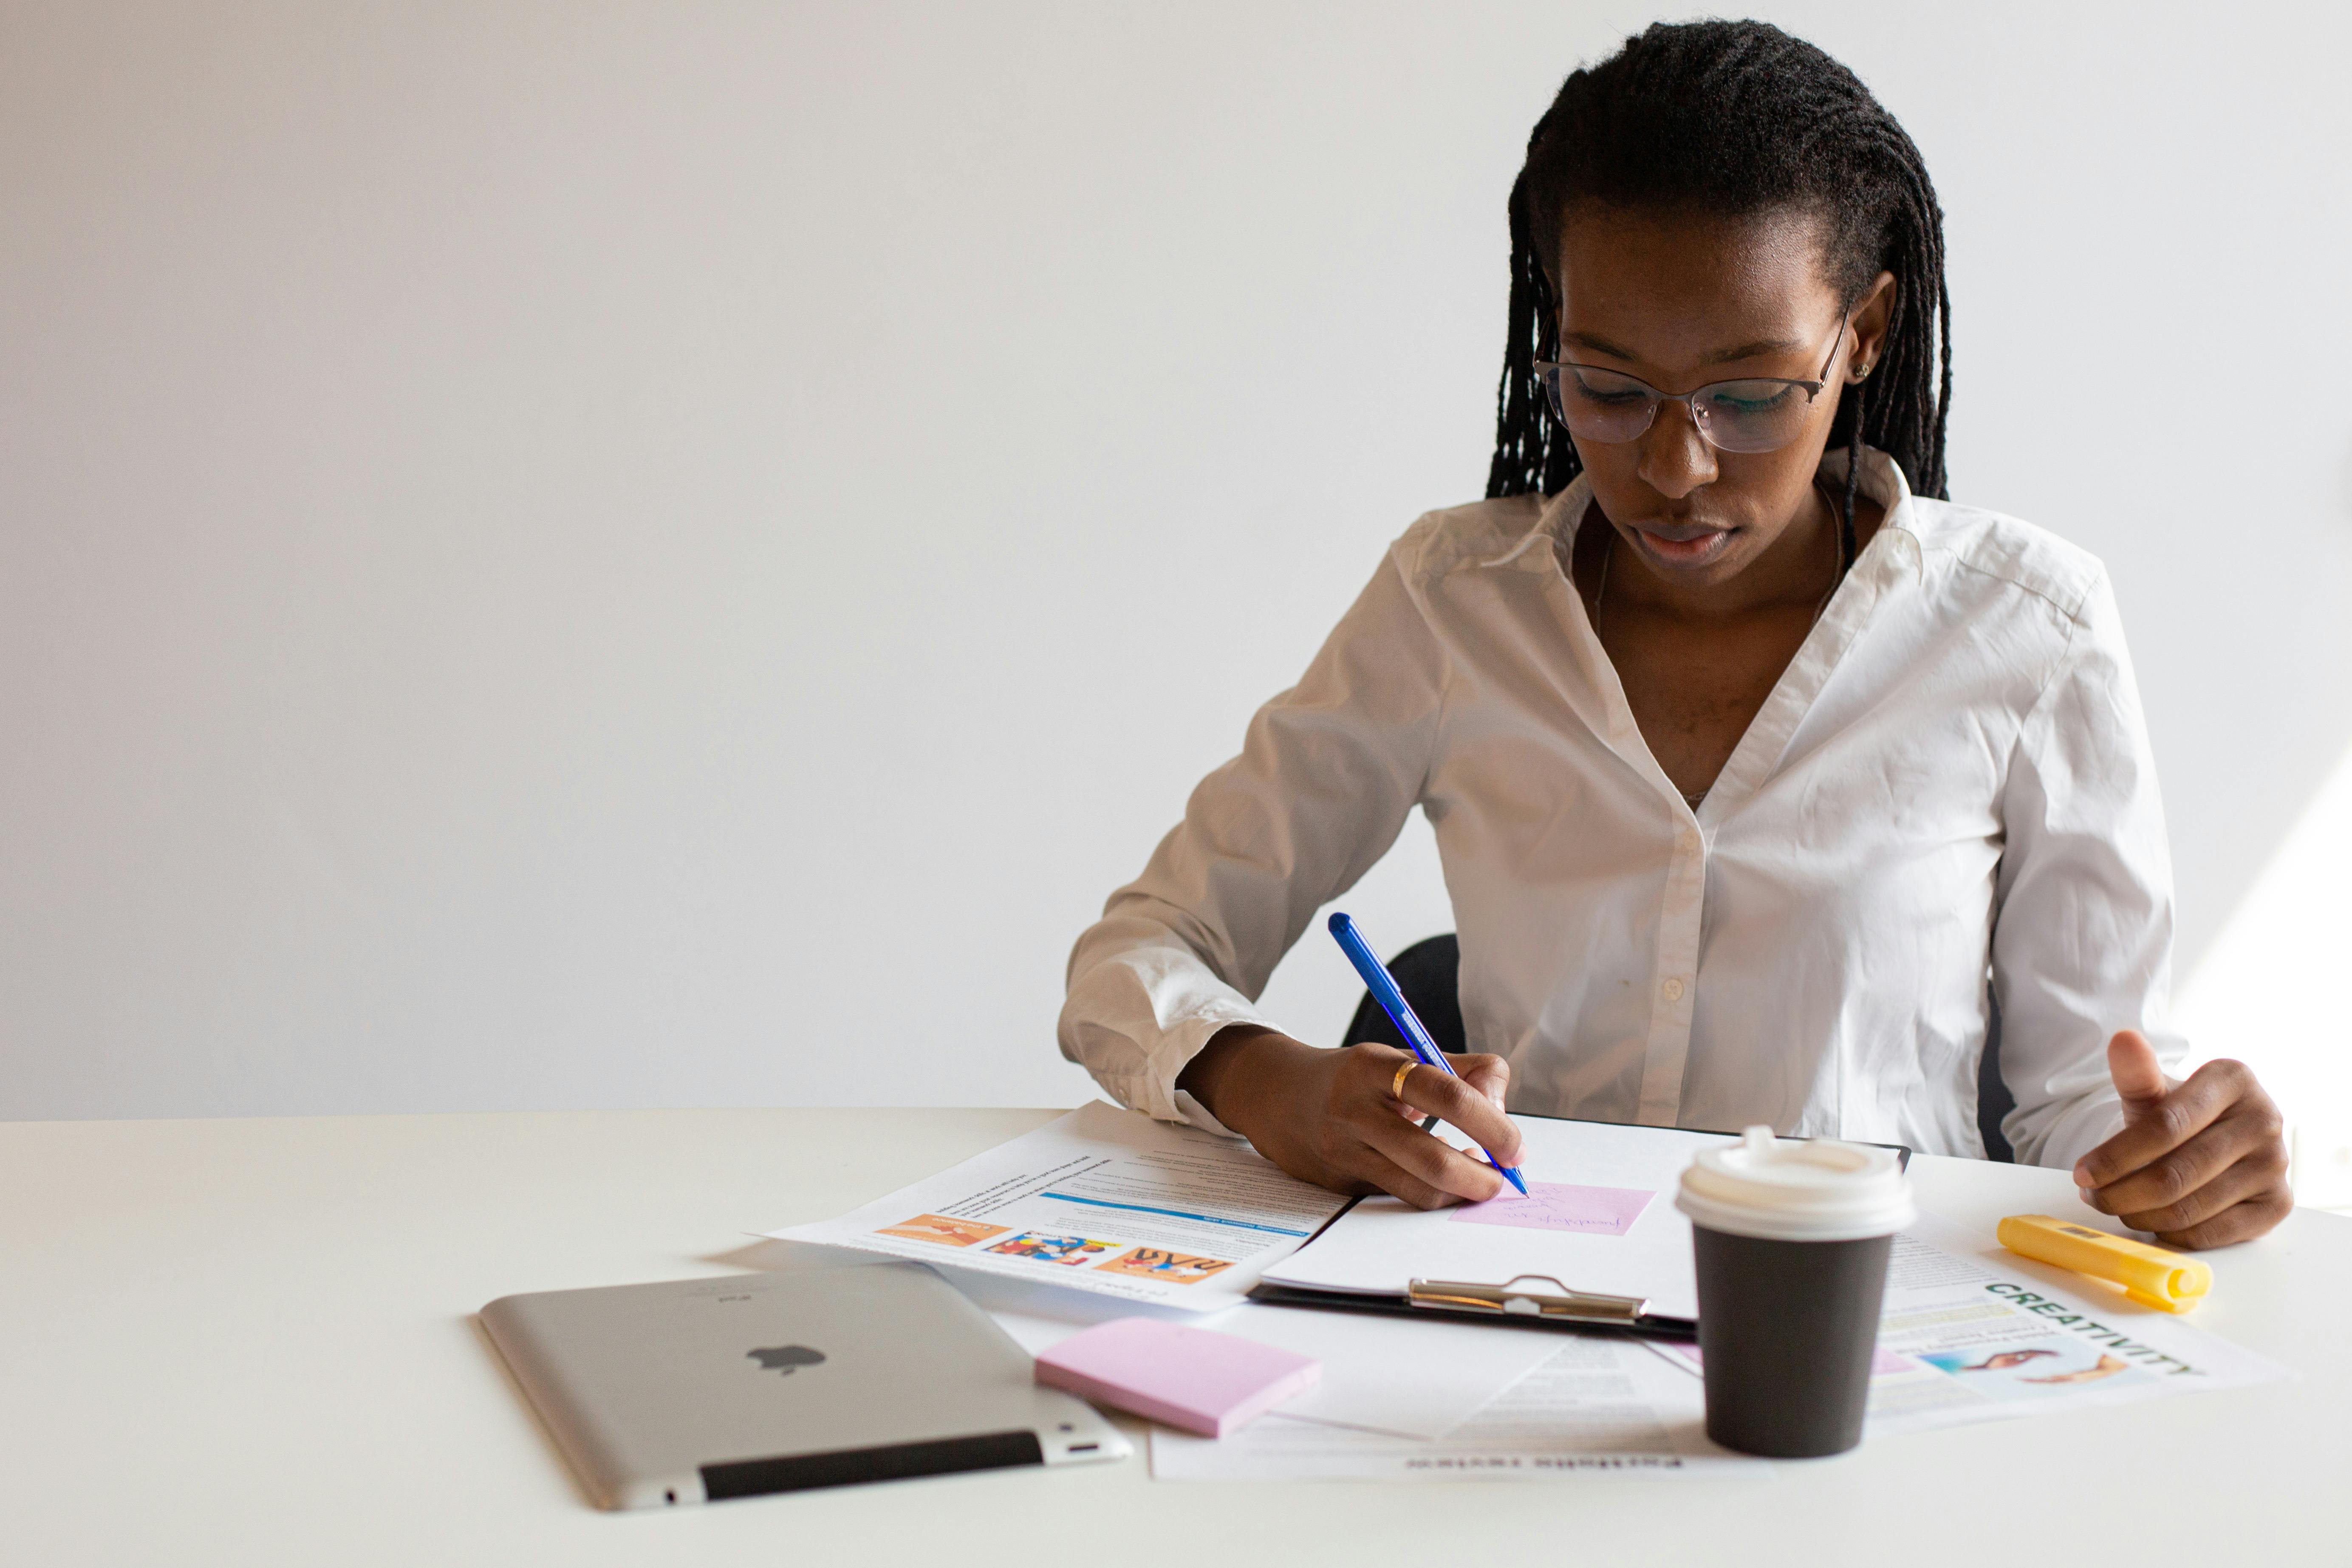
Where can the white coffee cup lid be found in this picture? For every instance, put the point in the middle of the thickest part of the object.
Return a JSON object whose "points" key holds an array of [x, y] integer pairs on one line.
{"points": [[1797, 1189]]}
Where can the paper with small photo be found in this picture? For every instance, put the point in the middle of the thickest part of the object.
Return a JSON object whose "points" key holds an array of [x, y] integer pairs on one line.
{"points": [[1968, 1332], [1985, 1335], [1104, 1201]]}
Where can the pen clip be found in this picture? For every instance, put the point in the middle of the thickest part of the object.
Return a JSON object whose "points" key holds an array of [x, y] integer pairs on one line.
{"points": [[1576, 1306]]}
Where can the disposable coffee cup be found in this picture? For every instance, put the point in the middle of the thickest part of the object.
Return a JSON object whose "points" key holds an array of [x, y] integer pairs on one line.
{"points": [[1790, 1238]]}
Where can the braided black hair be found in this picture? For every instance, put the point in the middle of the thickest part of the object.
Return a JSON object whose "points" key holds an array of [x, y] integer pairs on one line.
{"points": [[1735, 117]]}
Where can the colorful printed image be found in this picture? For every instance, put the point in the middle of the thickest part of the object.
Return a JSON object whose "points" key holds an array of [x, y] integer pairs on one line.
{"points": [[1999, 1360], [1043, 1247], [946, 1232], [2030, 1370], [1158, 1263]]}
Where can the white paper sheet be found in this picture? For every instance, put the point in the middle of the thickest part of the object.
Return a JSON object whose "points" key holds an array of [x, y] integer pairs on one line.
{"points": [[1969, 1333], [1381, 1244], [1389, 1375], [1982, 1335], [1592, 1406], [1102, 1200]]}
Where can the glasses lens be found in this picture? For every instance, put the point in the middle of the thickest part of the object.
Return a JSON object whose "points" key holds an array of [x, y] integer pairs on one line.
{"points": [[1751, 415], [1599, 404]]}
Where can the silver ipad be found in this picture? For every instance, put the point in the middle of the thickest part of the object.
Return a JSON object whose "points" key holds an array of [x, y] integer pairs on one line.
{"points": [[841, 1369]]}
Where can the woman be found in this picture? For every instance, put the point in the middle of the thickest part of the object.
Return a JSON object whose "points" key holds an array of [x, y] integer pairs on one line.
{"points": [[1764, 778]]}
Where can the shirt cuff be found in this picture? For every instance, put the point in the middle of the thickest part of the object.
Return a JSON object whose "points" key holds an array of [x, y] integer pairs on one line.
{"points": [[1197, 1115], [1177, 1048]]}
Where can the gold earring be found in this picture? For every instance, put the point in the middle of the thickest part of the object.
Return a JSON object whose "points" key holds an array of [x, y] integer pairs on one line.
{"points": [[1862, 372]]}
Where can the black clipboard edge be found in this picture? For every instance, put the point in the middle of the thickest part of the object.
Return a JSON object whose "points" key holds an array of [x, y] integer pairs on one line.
{"points": [[1648, 1326]]}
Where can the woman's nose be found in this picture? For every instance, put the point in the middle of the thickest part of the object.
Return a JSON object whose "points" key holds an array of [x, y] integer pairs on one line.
{"points": [[1676, 458]]}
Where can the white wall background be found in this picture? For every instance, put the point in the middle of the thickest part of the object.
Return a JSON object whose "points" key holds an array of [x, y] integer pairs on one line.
{"points": [[593, 554]]}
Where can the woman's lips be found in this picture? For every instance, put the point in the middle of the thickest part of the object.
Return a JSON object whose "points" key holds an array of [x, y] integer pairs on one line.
{"points": [[1683, 547]]}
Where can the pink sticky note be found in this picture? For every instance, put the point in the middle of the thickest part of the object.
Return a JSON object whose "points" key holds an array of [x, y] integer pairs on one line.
{"points": [[1554, 1206], [1195, 1379]]}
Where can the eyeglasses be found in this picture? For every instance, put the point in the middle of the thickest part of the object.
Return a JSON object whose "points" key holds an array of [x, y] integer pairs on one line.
{"points": [[1754, 413]]}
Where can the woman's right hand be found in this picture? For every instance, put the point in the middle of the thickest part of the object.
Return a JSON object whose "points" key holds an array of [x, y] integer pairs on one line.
{"points": [[1327, 1116]]}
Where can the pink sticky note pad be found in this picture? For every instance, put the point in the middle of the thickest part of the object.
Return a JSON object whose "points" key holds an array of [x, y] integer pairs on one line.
{"points": [[1194, 1379], [1554, 1206]]}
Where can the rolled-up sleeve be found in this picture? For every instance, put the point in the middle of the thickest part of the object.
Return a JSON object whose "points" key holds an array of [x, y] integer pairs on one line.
{"points": [[2083, 929], [1327, 772]]}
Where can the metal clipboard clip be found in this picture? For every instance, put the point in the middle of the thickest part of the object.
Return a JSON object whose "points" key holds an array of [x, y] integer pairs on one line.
{"points": [[1575, 1306]]}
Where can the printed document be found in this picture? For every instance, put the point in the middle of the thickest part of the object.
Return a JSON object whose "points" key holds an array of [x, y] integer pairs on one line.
{"points": [[1103, 1200], [1967, 1332], [1972, 1333], [1594, 1405]]}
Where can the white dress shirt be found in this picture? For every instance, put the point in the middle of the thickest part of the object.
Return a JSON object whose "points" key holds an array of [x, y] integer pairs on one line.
{"points": [[1951, 780]]}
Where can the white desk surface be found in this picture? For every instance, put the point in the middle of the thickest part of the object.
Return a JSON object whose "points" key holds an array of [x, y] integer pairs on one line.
{"points": [[251, 1342]]}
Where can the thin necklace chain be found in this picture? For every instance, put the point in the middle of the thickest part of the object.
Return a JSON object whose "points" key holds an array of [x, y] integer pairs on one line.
{"points": [[1601, 591]]}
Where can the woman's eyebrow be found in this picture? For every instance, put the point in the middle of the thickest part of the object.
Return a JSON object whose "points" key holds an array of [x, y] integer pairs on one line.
{"points": [[1598, 345], [1756, 349]]}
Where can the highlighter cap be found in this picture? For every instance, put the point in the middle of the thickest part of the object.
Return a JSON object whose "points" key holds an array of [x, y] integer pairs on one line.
{"points": [[1808, 1189]]}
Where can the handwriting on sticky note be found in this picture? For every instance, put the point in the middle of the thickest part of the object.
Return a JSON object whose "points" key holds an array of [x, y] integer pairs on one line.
{"points": [[1554, 1206]]}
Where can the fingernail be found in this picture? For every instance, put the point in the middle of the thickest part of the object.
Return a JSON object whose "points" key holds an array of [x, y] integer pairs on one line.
{"points": [[2084, 1193]]}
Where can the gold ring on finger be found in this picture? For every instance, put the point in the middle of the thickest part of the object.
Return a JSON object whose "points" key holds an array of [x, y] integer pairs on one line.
{"points": [[1396, 1084]]}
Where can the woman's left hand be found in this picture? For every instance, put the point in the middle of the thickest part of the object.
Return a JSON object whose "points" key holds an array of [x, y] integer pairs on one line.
{"points": [[2201, 1162]]}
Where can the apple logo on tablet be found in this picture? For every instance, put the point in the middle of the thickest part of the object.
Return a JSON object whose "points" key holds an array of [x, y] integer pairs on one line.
{"points": [[786, 1359]]}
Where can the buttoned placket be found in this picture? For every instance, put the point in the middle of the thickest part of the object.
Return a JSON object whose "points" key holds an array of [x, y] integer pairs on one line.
{"points": [[1676, 992], [1673, 989]]}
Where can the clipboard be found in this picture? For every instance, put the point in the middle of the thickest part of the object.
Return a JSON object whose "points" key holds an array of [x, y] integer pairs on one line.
{"points": [[1506, 1305], [1525, 1300]]}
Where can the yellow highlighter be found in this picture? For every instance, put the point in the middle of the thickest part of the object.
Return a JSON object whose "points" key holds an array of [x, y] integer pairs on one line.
{"points": [[2152, 1276]]}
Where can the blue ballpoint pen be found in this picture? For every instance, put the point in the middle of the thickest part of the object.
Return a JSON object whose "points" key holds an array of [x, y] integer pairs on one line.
{"points": [[1383, 987]]}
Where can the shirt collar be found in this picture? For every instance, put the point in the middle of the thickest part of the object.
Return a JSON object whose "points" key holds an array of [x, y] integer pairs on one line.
{"points": [[1882, 480]]}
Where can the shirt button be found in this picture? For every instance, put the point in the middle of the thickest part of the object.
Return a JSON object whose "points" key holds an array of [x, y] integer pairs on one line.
{"points": [[1674, 990]]}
